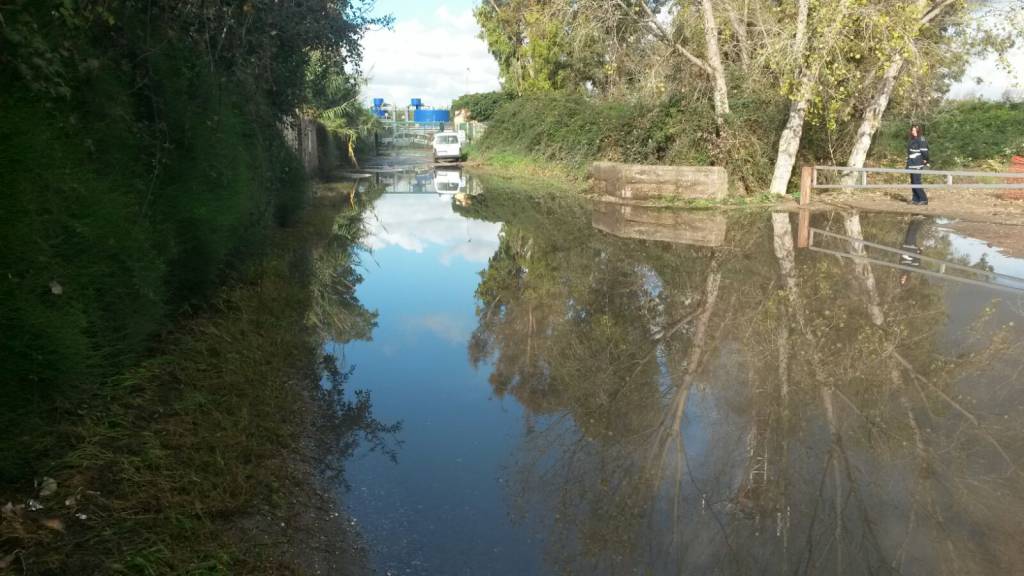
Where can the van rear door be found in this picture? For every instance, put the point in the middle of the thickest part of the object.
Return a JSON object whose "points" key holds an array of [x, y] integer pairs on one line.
{"points": [[447, 146]]}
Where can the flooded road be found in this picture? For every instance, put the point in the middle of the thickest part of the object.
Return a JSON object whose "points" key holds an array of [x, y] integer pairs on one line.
{"points": [[603, 390]]}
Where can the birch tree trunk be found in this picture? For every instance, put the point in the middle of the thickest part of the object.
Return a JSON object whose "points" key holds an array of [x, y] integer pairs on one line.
{"points": [[872, 118], [789, 141], [714, 61]]}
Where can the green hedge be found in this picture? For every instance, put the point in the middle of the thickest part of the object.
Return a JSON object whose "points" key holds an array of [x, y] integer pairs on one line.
{"points": [[571, 128], [481, 106], [959, 133], [120, 210]]}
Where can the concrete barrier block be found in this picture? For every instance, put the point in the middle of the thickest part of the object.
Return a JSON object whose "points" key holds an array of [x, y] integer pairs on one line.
{"points": [[642, 182], [698, 228]]}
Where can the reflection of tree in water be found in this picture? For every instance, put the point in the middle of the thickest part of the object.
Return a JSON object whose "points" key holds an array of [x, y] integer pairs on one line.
{"points": [[336, 312], [345, 421], [752, 409]]}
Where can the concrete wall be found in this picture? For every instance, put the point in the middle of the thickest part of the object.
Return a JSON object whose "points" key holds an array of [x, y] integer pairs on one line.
{"points": [[640, 182], [319, 151], [701, 228]]}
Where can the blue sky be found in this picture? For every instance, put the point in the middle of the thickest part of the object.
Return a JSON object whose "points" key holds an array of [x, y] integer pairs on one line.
{"points": [[423, 10]]}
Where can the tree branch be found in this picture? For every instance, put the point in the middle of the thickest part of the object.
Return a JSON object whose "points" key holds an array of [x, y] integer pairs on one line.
{"points": [[665, 37]]}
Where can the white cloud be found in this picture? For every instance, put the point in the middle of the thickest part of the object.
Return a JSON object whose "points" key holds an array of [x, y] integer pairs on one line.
{"points": [[415, 222], [446, 327], [436, 62]]}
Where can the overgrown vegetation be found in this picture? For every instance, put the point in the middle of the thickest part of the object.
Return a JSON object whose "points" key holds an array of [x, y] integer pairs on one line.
{"points": [[481, 106], [780, 82], [970, 133], [562, 132], [140, 158], [573, 129], [143, 165], [171, 457]]}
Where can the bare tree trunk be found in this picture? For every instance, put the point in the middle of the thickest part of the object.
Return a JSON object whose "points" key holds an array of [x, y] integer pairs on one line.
{"points": [[872, 118], [739, 27], [789, 141], [714, 61], [802, 10]]}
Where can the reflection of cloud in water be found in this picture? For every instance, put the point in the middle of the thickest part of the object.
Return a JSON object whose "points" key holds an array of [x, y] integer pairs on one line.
{"points": [[416, 222], [447, 328]]}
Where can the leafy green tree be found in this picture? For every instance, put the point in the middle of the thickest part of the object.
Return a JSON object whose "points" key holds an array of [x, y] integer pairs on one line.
{"points": [[481, 106]]}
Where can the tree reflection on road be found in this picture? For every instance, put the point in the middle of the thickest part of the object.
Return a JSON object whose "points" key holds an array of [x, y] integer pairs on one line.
{"points": [[753, 408]]}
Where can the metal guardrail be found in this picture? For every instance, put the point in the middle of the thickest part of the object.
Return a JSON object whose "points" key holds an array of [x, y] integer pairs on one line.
{"points": [[949, 175], [809, 180], [1011, 284]]}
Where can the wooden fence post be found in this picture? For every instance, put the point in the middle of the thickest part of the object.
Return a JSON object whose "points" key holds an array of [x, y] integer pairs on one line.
{"points": [[806, 181], [803, 230]]}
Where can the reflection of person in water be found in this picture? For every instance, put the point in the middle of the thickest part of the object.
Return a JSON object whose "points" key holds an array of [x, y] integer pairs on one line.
{"points": [[910, 248]]}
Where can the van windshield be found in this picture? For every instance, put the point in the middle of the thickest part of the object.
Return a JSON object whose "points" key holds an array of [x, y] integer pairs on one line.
{"points": [[447, 140]]}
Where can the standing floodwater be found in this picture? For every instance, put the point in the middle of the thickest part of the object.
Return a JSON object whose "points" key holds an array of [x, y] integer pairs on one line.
{"points": [[620, 391]]}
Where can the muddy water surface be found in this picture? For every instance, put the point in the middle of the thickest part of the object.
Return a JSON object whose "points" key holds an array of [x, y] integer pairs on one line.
{"points": [[598, 390]]}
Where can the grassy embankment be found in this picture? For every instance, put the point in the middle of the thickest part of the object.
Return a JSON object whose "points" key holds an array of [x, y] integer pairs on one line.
{"points": [[137, 185], [113, 226], [558, 135], [216, 430]]}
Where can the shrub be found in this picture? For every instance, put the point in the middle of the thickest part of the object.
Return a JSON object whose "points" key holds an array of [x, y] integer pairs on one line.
{"points": [[960, 133], [571, 128], [481, 106], [122, 207]]}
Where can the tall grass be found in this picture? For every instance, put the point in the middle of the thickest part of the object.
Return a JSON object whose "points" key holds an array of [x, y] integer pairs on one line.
{"points": [[217, 429]]}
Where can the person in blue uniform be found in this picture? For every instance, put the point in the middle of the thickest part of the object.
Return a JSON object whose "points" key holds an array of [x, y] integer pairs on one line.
{"points": [[917, 160]]}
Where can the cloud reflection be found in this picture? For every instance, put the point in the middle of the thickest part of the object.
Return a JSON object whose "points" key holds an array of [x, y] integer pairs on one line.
{"points": [[446, 327], [416, 222]]}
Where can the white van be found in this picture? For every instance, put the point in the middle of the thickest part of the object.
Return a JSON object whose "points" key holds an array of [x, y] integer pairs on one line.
{"points": [[449, 181], [447, 146]]}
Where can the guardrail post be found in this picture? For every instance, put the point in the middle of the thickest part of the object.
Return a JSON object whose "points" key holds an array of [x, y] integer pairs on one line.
{"points": [[806, 182]]}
